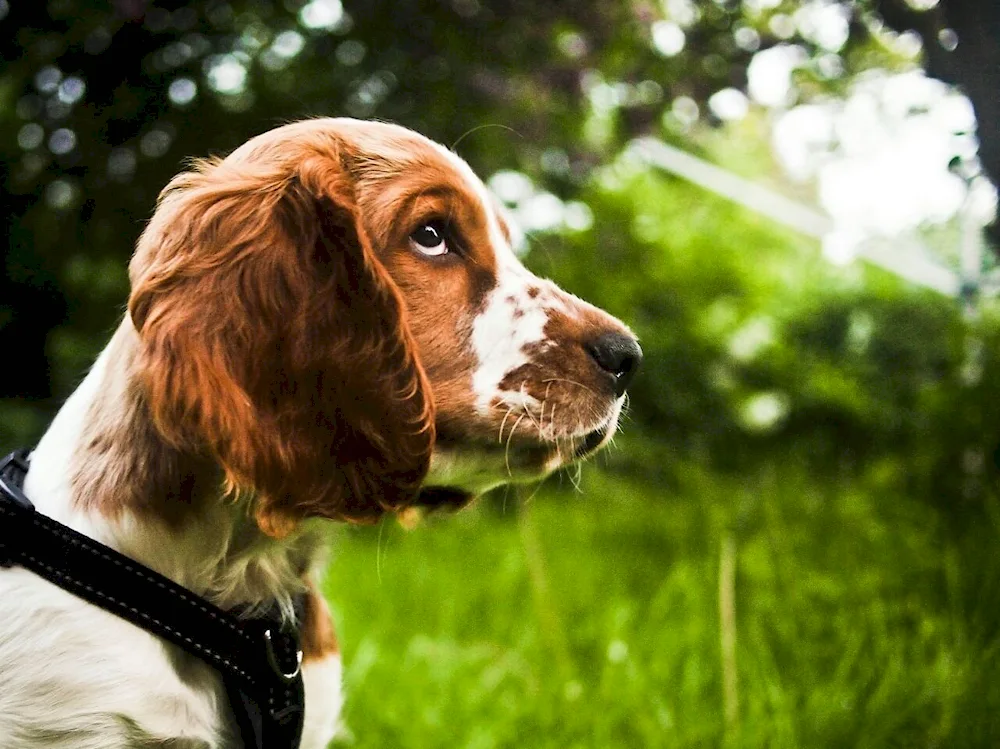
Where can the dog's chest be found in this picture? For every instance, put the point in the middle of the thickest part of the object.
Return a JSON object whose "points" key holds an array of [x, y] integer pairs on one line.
{"points": [[76, 676]]}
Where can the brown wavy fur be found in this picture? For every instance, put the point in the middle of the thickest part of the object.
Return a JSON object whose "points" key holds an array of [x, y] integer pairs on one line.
{"points": [[273, 339]]}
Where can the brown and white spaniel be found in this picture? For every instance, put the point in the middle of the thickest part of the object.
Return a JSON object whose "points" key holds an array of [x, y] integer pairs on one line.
{"points": [[330, 323]]}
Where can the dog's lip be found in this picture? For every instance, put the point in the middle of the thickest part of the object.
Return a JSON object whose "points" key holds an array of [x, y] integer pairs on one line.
{"points": [[591, 442]]}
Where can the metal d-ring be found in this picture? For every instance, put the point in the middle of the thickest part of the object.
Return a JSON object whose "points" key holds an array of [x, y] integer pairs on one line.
{"points": [[273, 660], [10, 485]]}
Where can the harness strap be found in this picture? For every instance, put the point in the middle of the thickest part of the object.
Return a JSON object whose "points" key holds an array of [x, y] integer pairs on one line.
{"points": [[258, 658]]}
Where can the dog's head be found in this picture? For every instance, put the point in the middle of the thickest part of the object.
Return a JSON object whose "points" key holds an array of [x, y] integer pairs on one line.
{"points": [[334, 313]]}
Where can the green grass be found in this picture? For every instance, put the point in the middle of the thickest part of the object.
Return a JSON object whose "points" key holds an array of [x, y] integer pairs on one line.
{"points": [[862, 619]]}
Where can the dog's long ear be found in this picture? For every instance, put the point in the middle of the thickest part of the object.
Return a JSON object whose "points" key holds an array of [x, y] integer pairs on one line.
{"points": [[275, 341]]}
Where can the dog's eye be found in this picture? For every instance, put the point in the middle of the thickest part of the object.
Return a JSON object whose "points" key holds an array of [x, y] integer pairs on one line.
{"points": [[429, 239]]}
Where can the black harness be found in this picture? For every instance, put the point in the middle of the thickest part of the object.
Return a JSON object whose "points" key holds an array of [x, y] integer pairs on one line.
{"points": [[258, 657]]}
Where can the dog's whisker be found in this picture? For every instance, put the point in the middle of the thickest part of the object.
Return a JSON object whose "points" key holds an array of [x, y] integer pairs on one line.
{"points": [[576, 477], [571, 382], [510, 410], [527, 411], [506, 452]]}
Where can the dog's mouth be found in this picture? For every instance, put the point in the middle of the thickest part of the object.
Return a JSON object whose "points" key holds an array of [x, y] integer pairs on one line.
{"points": [[592, 442], [599, 437], [463, 467]]}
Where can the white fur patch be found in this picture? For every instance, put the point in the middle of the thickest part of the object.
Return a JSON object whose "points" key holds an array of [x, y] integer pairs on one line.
{"points": [[77, 677], [324, 698], [500, 338], [49, 489], [511, 320]]}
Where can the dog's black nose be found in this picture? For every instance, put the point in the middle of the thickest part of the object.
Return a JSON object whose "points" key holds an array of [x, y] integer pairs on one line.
{"points": [[619, 355]]}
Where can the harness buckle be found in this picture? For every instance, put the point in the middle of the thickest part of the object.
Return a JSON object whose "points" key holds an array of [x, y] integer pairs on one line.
{"points": [[272, 660]]}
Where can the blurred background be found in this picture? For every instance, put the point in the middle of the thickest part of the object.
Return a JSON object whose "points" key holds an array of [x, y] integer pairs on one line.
{"points": [[794, 542]]}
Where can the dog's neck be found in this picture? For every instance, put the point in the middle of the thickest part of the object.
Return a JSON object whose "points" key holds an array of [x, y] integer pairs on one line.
{"points": [[104, 470]]}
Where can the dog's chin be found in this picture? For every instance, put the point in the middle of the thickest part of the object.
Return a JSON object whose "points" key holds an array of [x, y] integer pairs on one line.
{"points": [[443, 498], [462, 469]]}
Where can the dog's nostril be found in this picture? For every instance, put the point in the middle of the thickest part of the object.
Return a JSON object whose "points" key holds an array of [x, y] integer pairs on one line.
{"points": [[619, 355]]}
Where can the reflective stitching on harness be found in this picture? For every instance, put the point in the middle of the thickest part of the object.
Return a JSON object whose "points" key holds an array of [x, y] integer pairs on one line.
{"points": [[142, 615], [137, 571]]}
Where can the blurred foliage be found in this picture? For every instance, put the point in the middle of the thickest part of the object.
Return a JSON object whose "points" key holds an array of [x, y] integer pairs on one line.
{"points": [[754, 345]]}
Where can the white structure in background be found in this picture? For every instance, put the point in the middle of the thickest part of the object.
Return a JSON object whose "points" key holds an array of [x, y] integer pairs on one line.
{"points": [[911, 262], [897, 154]]}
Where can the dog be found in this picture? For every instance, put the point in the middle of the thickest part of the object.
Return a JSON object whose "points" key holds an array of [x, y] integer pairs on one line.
{"points": [[328, 324]]}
